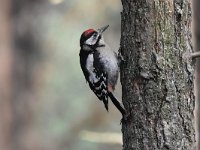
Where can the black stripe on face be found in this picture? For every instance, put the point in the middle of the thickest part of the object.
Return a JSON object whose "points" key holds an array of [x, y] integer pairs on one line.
{"points": [[98, 38]]}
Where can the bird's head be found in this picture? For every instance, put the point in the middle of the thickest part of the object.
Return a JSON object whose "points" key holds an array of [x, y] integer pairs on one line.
{"points": [[91, 38]]}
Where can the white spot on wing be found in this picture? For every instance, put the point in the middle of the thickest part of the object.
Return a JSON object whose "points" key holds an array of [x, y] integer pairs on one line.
{"points": [[100, 86], [104, 91], [99, 95]]}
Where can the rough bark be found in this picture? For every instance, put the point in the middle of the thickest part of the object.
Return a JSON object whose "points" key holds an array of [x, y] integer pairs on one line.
{"points": [[196, 33], [157, 83]]}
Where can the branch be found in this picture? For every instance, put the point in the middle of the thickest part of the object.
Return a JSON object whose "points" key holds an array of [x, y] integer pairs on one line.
{"points": [[189, 56], [195, 55]]}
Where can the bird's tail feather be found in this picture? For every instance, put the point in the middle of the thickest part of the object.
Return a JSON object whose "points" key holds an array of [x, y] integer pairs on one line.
{"points": [[106, 104], [117, 103]]}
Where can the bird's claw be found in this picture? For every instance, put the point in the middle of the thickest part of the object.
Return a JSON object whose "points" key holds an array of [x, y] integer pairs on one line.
{"points": [[120, 57], [124, 118]]}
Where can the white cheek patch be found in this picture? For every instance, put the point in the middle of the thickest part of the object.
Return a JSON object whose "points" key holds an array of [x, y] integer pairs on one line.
{"points": [[92, 40]]}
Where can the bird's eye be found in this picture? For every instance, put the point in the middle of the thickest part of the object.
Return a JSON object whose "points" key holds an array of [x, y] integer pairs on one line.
{"points": [[95, 35]]}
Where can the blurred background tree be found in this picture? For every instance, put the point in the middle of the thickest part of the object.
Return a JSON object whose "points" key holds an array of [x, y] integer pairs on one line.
{"points": [[45, 101]]}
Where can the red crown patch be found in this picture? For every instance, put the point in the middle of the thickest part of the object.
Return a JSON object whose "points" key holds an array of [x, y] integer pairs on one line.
{"points": [[89, 31]]}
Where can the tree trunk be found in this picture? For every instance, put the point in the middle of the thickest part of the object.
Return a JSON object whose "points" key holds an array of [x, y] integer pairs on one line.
{"points": [[5, 75], [26, 60], [157, 83], [196, 33]]}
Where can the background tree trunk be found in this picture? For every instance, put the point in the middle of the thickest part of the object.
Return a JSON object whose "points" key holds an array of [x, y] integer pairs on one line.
{"points": [[5, 75], [157, 83], [26, 58], [196, 33], [19, 53]]}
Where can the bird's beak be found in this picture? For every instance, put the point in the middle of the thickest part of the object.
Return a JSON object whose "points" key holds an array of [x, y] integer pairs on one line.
{"points": [[101, 30]]}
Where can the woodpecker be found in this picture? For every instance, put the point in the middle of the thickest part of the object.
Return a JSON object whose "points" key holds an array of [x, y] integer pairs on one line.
{"points": [[100, 66]]}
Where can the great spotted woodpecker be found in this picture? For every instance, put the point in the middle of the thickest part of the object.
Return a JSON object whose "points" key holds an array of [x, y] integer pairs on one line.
{"points": [[100, 66]]}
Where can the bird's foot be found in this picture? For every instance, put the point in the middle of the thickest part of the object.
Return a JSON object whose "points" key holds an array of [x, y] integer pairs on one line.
{"points": [[124, 118], [121, 58]]}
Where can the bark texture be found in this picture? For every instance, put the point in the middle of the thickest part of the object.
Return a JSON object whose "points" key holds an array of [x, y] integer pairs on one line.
{"points": [[196, 33], [157, 82]]}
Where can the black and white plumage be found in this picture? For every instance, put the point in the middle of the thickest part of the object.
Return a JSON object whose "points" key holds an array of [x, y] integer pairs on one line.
{"points": [[100, 66]]}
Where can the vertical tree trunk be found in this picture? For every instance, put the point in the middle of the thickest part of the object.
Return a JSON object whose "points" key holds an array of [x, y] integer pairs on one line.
{"points": [[5, 75], [19, 53], [196, 31], [27, 56], [157, 83]]}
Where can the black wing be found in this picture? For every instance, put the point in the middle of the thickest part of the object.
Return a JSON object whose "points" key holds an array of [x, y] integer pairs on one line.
{"points": [[83, 58], [97, 79], [99, 87]]}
